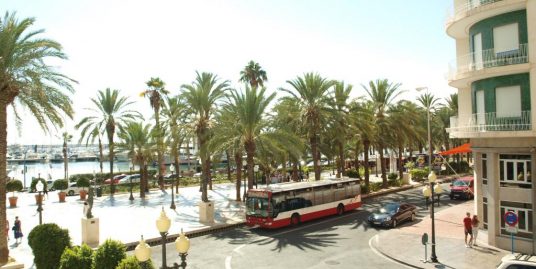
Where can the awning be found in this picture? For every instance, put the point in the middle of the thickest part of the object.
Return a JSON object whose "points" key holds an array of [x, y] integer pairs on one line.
{"points": [[461, 149]]}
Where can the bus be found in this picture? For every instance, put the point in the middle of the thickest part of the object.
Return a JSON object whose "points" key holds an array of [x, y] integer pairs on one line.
{"points": [[290, 203]]}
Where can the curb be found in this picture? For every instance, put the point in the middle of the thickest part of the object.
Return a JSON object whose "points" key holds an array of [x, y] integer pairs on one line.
{"points": [[389, 257]]}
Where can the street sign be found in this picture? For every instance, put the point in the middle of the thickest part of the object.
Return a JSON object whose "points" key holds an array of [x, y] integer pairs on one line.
{"points": [[510, 218], [424, 239], [511, 229]]}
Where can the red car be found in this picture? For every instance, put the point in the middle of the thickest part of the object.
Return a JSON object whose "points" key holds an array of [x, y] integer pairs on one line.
{"points": [[463, 188], [116, 179]]}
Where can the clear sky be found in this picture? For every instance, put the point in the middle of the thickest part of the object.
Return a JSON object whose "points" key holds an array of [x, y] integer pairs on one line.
{"points": [[122, 44]]}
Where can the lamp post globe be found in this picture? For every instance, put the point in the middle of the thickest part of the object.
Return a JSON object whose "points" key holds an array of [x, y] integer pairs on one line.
{"points": [[182, 244], [142, 251], [432, 177], [162, 224]]}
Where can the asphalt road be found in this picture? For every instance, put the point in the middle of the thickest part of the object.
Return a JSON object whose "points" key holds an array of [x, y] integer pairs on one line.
{"points": [[332, 242]]}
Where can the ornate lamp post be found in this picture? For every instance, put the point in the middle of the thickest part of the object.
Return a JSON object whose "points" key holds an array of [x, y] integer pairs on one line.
{"points": [[182, 244], [432, 178], [39, 187], [172, 169]]}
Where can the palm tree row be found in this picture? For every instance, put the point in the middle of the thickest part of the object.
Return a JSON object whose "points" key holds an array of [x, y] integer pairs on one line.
{"points": [[313, 117]]}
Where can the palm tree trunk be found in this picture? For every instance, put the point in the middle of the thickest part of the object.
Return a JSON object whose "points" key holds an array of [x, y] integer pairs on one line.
{"points": [[250, 148], [400, 162], [110, 131], [100, 155], [177, 165], [314, 152], [159, 149], [341, 161], [238, 161], [366, 145], [228, 165], [357, 159], [4, 250], [284, 169], [382, 166], [295, 171], [65, 160], [143, 177], [209, 174]]}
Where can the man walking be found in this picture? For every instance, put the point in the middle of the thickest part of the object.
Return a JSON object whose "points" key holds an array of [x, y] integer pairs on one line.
{"points": [[467, 224]]}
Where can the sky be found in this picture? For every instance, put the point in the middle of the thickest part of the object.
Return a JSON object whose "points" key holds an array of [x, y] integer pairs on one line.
{"points": [[122, 44]]}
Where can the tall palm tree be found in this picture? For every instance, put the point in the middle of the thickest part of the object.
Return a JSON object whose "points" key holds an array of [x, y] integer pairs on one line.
{"points": [[90, 132], [27, 81], [428, 102], [202, 96], [111, 111], [137, 139], [312, 91], [339, 106], [253, 74], [66, 139], [173, 112], [382, 93], [156, 90], [362, 121]]}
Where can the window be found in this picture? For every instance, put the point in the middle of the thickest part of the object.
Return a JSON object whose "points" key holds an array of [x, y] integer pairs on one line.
{"points": [[480, 108], [524, 214], [484, 169], [508, 101], [506, 38], [485, 212], [515, 170]]}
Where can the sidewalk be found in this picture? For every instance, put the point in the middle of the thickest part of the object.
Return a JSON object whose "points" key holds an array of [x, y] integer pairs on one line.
{"points": [[403, 244]]}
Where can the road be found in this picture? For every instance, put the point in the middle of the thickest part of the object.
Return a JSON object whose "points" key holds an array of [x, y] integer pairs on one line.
{"points": [[338, 242]]}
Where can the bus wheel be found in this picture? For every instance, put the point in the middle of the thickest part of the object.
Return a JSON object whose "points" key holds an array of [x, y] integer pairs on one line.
{"points": [[340, 209], [295, 219]]}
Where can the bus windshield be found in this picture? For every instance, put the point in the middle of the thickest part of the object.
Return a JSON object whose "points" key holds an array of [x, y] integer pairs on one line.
{"points": [[257, 207]]}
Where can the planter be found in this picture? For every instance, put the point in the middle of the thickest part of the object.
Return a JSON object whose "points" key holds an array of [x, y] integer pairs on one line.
{"points": [[83, 194], [13, 201], [38, 199], [61, 196]]}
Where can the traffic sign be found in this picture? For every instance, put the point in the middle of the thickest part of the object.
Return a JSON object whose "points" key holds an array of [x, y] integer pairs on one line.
{"points": [[511, 229], [424, 239], [510, 218]]}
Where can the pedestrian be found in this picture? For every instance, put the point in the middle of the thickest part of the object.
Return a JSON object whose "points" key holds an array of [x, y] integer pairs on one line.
{"points": [[467, 224], [17, 230], [475, 222]]}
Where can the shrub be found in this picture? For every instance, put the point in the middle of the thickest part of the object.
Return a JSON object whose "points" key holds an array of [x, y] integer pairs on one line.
{"points": [[131, 262], [364, 189], [77, 258], [375, 186], [34, 183], [352, 173], [14, 185], [60, 184], [48, 241], [82, 182], [418, 174], [394, 183], [409, 165], [109, 255], [392, 176]]}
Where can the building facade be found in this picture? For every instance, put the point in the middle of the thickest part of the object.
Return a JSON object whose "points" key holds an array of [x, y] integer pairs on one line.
{"points": [[495, 74]]}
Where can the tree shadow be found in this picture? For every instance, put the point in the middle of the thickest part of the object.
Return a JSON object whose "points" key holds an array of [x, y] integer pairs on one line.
{"points": [[300, 240]]}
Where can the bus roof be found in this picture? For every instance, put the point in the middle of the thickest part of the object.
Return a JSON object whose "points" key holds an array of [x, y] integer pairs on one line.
{"points": [[287, 186]]}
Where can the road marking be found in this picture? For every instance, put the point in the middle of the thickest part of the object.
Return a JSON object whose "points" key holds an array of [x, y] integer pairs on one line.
{"points": [[228, 262]]}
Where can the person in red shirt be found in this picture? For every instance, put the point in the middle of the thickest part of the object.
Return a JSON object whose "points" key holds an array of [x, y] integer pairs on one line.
{"points": [[467, 224]]}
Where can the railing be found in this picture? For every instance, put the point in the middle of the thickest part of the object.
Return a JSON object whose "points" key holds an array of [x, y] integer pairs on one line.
{"points": [[489, 58], [490, 122], [461, 10]]}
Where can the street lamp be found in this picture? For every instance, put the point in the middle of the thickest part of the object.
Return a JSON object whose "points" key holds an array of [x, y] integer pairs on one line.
{"points": [[438, 190], [432, 178], [426, 192], [172, 169], [39, 187], [182, 244], [256, 169]]}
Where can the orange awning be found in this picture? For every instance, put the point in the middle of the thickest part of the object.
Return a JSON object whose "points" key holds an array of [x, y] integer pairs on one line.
{"points": [[461, 149]]}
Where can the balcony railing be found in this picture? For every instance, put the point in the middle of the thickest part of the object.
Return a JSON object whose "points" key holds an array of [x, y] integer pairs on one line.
{"points": [[462, 10], [490, 122], [489, 58]]}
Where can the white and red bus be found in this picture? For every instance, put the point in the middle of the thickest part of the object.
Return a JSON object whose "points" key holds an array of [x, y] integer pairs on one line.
{"points": [[290, 203]]}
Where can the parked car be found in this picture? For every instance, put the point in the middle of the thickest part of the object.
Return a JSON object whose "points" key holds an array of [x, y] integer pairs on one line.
{"points": [[463, 188], [512, 261], [134, 177], [116, 179], [392, 214], [73, 189]]}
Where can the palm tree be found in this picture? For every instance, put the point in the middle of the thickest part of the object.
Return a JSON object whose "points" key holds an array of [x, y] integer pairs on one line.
{"points": [[137, 139], [91, 131], [66, 139], [428, 102], [312, 91], [362, 121], [253, 74], [27, 81], [173, 112], [202, 96], [110, 111], [339, 107], [382, 94], [154, 93]]}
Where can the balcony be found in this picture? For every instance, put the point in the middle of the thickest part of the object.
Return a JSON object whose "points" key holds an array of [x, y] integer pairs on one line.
{"points": [[481, 123], [476, 61], [466, 8]]}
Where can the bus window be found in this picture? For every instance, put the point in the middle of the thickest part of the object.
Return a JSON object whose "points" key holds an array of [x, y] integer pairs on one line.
{"points": [[256, 206], [328, 194]]}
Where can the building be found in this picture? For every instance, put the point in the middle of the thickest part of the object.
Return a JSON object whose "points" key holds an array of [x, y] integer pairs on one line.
{"points": [[495, 74]]}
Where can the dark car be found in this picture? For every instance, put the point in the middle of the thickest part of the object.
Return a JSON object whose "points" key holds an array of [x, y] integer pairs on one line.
{"points": [[391, 214]]}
